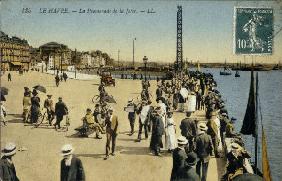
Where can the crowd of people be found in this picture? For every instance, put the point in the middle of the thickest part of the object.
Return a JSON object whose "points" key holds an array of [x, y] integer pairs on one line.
{"points": [[199, 141], [32, 110]]}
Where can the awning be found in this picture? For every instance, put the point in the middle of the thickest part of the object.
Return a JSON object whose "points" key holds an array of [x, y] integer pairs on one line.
{"points": [[16, 63]]}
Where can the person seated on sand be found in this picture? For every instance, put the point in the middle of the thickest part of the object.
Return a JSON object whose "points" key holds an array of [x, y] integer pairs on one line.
{"points": [[89, 123]]}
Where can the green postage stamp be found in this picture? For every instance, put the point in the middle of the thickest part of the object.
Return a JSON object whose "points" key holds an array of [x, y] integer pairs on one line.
{"points": [[253, 30]]}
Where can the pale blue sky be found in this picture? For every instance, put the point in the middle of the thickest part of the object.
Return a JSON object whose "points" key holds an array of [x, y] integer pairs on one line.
{"points": [[207, 28]]}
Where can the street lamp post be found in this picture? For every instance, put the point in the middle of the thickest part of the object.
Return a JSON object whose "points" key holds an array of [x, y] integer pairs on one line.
{"points": [[133, 51], [118, 57], [145, 60]]}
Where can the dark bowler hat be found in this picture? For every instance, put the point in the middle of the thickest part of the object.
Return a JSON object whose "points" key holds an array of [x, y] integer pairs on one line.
{"points": [[191, 159], [49, 95], [88, 110]]}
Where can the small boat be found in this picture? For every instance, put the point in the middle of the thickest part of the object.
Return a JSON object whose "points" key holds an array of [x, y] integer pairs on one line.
{"points": [[237, 74], [226, 71]]}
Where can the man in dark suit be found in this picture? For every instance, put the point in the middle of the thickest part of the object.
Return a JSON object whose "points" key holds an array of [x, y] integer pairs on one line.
{"points": [[188, 173], [188, 129], [131, 115], [60, 110], [7, 168], [111, 123], [71, 166], [179, 155], [157, 132], [204, 149]]}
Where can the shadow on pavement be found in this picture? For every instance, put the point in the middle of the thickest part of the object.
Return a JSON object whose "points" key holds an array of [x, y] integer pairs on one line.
{"points": [[100, 155], [16, 115], [16, 120]]}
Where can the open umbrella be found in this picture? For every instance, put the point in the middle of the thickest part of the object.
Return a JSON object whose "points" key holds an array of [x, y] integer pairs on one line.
{"points": [[248, 177], [110, 99], [40, 88], [4, 90], [3, 97]]}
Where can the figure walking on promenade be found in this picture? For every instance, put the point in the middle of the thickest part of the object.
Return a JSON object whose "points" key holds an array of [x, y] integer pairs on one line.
{"points": [[157, 132], [189, 172], [170, 131], [26, 106], [111, 132], [3, 113], [179, 155], [35, 107], [60, 110], [9, 77], [57, 80], [7, 167], [188, 129], [49, 106], [131, 115], [204, 149], [213, 132], [71, 166], [143, 119]]}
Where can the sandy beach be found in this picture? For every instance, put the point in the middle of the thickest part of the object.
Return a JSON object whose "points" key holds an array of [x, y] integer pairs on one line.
{"points": [[41, 160]]}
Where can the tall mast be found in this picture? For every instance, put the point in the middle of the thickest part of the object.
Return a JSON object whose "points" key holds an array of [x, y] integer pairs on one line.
{"points": [[256, 122], [179, 50]]}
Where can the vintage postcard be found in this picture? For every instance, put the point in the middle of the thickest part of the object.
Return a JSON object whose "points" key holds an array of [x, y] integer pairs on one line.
{"points": [[140, 90]]}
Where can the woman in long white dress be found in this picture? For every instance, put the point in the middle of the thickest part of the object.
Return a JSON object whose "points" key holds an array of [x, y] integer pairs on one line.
{"points": [[170, 132]]}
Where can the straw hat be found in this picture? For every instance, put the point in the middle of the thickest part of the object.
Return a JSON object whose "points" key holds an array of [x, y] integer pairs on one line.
{"points": [[67, 149], [9, 149], [130, 100], [182, 140], [224, 114], [235, 146], [203, 127]]}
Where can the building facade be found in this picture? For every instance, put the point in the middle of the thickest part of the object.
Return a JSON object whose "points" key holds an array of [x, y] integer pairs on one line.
{"points": [[15, 53], [55, 55]]}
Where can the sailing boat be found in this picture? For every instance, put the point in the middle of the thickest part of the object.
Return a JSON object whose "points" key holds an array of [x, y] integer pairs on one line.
{"points": [[250, 127], [226, 70], [237, 71]]}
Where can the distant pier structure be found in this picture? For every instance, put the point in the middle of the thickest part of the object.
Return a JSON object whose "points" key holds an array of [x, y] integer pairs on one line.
{"points": [[179, 49]]}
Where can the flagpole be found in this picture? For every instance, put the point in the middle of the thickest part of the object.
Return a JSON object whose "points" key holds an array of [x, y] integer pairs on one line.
{"points": [[256, 131]]}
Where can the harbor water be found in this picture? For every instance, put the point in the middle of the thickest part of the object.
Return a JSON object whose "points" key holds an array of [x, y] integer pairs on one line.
{"points": [[235, 92]]}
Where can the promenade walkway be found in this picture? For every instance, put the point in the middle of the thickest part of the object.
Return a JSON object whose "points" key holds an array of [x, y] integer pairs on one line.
{"points": [[41, 161]]}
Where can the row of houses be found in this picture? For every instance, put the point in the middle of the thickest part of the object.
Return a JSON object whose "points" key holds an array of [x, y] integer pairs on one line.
{"points": [[17, 54]]}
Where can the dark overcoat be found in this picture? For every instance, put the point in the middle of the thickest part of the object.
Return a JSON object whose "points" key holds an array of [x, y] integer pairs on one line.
{"points": [[188, 174], [179, 156], [61, 109], [157, 131], [188, 128], [7, 170], [74, 172]]}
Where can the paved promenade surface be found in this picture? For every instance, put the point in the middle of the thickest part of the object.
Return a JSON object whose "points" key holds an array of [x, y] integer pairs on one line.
{"points": [[41, 162]]}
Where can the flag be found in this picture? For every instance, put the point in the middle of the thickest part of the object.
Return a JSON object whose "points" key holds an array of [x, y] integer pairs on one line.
{"points": [[249, 122], [265, 162]]}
